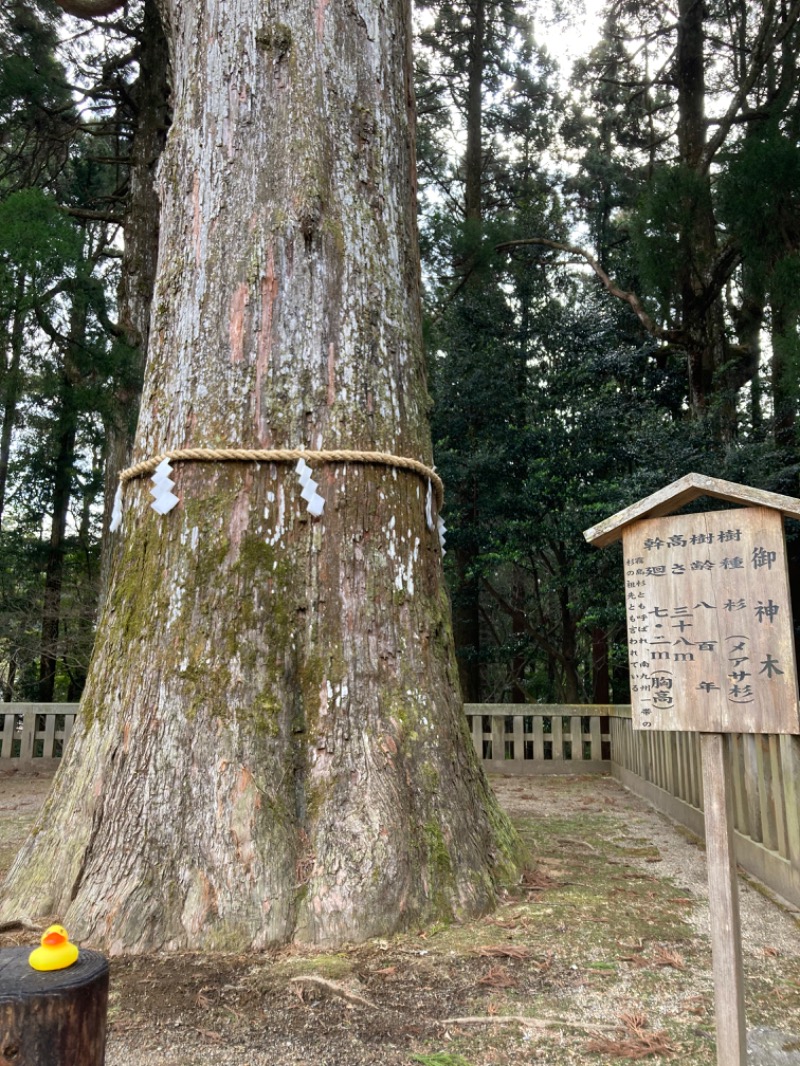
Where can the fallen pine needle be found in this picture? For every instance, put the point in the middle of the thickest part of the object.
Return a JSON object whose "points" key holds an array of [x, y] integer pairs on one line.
{"points": [[331, 986], [519, 1019], [498, 977], [633, 1047]]}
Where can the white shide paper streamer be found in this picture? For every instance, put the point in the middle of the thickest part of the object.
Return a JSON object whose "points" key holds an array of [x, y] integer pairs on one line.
{"points": [[164, 498], [116, 511], [315, 502]]}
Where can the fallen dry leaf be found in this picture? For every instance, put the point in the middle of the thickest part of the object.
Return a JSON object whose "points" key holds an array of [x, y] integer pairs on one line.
{"points": [[665, 957], [536, 880], [498, 977], [546, 963]]}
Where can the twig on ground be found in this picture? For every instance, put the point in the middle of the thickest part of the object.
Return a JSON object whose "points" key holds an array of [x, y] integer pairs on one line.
{"points": [[580, 843], [17, 924], [331, 986]]}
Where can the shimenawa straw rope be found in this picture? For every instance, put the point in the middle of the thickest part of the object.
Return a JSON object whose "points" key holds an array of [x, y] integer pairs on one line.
{"points": [[286, 455]]}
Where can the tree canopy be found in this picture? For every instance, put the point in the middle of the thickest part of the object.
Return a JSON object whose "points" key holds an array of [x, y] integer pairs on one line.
{"points": [[610, 264]]}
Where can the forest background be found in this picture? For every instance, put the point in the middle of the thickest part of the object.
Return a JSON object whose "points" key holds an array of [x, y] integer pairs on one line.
{"points": [[611, 268]]}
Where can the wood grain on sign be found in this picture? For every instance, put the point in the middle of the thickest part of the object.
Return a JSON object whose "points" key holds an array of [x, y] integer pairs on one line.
{"points": [[710, 636]]}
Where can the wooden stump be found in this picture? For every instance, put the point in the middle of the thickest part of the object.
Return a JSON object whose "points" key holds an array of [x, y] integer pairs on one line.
{"points": [[54, 1018]]}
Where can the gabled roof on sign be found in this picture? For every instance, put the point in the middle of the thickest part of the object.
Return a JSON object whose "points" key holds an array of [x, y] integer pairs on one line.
{"points": [[683, 491]]}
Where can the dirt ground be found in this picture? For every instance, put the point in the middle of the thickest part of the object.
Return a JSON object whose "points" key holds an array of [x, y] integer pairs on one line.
{"points": [[600, 955]]}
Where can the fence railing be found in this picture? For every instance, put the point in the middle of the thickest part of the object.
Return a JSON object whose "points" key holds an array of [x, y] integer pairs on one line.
{"points": [[539, 738], [34, 734], [664, 768]]}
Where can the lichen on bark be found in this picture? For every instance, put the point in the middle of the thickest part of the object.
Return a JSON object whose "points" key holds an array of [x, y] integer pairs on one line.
{"points": [[272, 744]]}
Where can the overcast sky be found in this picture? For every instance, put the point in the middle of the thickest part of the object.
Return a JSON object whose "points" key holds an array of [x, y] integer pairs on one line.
{"points": [[567, 40]]}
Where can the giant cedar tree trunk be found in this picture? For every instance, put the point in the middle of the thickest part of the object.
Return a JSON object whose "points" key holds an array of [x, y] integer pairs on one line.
{"points": [[11, 387], [54, 569], [716, 370], [271, 745], [784, 373]]}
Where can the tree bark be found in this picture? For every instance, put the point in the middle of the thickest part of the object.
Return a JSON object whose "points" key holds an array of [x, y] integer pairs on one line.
{"points": [[716, 368], [702, 318], [63, 475], [519, 629], [785, 343], [473, 156], [271, 746], [601, 675], [467, 601], [55, 1017], [12, 388], [54, 567]]}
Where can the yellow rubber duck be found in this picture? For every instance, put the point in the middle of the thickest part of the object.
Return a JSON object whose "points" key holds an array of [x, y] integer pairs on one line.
{"points": [[56, 952]]}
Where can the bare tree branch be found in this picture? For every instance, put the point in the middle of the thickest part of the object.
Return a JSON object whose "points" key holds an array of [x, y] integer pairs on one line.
{"points": [[765, 45], [87, 9], [652, 327], [94, 216]]}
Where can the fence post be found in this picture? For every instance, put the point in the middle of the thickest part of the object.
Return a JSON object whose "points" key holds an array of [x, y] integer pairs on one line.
{"points": [[790, 751]]}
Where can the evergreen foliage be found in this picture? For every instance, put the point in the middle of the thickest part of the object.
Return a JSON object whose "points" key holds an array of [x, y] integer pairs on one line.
{"points": [[553, 407], [60, 173], [553, 404]]}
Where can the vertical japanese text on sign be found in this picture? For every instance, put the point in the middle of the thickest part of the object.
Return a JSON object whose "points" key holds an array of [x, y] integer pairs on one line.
{"points": [[710, 637]]}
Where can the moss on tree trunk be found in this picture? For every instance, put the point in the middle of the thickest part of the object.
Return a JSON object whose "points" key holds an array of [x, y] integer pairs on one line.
{"points": [[272, 745]]}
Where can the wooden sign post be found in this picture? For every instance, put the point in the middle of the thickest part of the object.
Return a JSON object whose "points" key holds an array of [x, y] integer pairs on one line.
{"points": [[711, 650]]}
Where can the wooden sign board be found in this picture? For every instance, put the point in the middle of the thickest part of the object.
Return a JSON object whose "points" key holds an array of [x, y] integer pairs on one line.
{"points": [[710, 637]]}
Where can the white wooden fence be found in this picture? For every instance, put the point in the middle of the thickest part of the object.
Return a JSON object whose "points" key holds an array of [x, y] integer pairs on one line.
{"points": [[540, 738], [534, 739], [663, 768], [33, 735]]}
